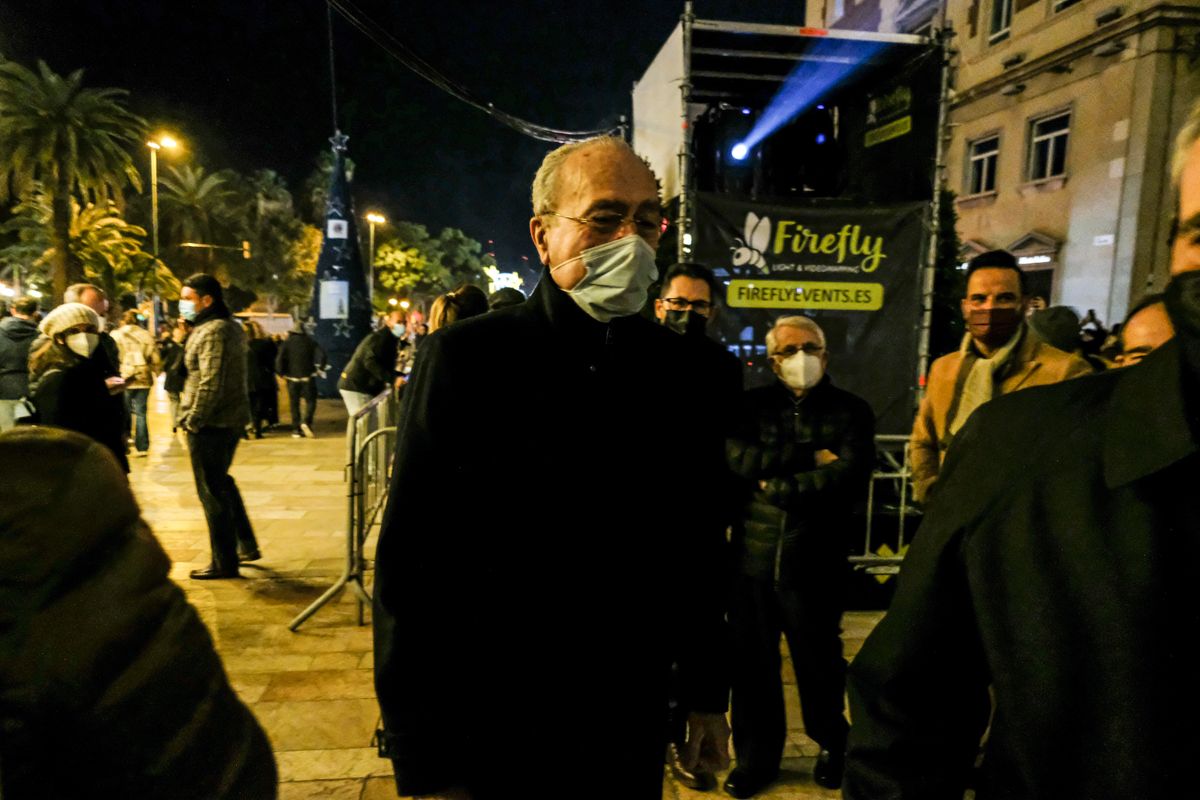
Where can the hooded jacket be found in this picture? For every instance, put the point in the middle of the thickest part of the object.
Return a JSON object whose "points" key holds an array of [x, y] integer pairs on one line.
{"points": [[16, 336]]}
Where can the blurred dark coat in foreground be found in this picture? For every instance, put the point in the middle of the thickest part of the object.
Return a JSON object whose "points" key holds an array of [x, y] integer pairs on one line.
{"points": [[109, 684]]}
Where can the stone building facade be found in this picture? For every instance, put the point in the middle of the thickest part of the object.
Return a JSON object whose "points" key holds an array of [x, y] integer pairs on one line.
{"points": [[1062, 116]]}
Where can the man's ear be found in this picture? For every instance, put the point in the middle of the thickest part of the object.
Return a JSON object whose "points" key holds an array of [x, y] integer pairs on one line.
{"points": [[537, 232], [660, 313], [963, 305]]}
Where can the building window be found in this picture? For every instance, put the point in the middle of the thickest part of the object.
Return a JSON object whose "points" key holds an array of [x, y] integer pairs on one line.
{"points": [[983, 154], [1048, 146], [1059, 5], [1001, 20]]}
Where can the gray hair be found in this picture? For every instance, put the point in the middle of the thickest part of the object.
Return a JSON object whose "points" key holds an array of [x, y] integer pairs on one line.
{"points": [[544, 194], [1188, 136], [74, 292], [796, 321]]}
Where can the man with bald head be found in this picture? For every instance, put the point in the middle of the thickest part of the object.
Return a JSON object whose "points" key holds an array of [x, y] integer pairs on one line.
{"points": [[1047, 597], [533, 587]]}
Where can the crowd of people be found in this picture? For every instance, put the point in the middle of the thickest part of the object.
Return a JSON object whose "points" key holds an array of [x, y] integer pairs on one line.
{"points": [[627, 565]]}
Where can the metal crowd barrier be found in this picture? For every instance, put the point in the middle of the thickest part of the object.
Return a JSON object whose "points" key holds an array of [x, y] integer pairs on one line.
{"points": [[370, 442], [888, 497]]}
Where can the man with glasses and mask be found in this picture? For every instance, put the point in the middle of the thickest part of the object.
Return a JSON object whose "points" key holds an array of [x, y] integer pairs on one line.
{"points": [[523, 640], [999, 354], [804, 453], [1049, 598]]}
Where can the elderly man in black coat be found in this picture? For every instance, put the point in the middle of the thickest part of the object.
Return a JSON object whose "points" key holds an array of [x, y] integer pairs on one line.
{"points": [[534, 586], [1055, 566]]}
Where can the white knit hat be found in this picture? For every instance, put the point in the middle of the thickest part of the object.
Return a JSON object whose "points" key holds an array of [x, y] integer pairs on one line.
{"points": [[68, 315]]}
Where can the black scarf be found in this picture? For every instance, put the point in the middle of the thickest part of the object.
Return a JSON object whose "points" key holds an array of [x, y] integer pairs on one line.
{"points": [[218, 310]]}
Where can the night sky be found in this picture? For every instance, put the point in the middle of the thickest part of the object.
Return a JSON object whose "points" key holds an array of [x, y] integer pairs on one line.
{"points": [[245, 84]]}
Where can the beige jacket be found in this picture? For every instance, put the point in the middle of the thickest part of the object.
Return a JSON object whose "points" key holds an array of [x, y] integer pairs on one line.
{"points": [[1034, 363], [140, 362]]}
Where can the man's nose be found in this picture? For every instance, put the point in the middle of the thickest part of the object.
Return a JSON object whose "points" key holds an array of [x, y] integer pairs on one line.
{"points": [[627, 227]]}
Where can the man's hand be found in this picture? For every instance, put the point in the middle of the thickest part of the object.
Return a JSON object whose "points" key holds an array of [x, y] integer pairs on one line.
{"points": [[457, 793], [707, 747], [824, 458], [115, 384]]}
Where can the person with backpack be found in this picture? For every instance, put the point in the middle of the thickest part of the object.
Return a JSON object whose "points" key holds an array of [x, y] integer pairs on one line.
{"points": [[140, 365]]}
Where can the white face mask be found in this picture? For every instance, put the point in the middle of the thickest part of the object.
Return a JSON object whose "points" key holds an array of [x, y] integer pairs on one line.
{"points": [[398, 330], [617, 283], [801, 370], [82, 344]]}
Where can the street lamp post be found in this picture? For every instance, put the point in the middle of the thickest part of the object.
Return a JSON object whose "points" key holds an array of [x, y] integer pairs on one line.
{"points": [[373, 219], [155, 145]]}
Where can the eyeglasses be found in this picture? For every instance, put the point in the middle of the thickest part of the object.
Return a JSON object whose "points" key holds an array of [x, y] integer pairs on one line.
{"points": [[810, 348], [683, 304], [606, 223]]}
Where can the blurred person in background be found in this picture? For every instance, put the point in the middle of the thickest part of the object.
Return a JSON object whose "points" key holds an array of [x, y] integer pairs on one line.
{"points": [[174, 372], [503, 298], [262, 384], [1147, 327], [17, 334], [140, 365], [466, 301], [372, 368], [299, 360], [67, 386]]}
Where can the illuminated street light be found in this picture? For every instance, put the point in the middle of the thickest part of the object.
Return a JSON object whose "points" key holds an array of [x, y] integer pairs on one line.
{"points": [[391, 301], [170, 143], [373, 219], [405, 304]]}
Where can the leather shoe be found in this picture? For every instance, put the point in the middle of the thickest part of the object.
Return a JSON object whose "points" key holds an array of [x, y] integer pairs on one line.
{"points": [[211, 573], [250, 555], [744, 783], [829, 769], [698, 780]]}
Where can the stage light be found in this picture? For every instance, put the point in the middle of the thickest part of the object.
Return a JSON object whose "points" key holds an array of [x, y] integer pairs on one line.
{"points": [[745, 112], [821, 139], [739, 152]]}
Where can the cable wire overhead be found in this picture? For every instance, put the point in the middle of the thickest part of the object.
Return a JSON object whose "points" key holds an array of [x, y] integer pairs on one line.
{"points": [[402, 53]]}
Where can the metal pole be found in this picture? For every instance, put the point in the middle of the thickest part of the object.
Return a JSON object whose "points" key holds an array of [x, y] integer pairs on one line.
{"points": [[685, 151], [154, 227], [935, 225], [371, 265]]}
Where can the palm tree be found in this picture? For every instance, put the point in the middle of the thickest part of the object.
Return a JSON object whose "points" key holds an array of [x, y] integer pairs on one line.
{"points": [[109, 249], [69, 139], [196, 206]]}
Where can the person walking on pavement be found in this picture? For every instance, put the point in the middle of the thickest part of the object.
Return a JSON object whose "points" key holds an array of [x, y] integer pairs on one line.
{"points": [[17, 333], [214, 411], [67, 386], [300, 359], [264, 390], [140, 365]]}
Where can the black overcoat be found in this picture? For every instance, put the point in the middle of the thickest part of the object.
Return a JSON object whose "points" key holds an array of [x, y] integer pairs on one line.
{"points": [[532, 586], [1057, 564]]}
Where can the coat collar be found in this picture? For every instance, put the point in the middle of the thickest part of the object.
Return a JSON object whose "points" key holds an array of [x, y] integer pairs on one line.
{"points": [[1146, 424]]}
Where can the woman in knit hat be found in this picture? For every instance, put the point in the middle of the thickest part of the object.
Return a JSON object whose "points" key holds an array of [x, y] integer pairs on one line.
{"points": [[66, 386]]}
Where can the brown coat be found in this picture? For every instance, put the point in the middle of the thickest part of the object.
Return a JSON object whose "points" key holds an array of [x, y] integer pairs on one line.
{"points": [[1034, 363]]}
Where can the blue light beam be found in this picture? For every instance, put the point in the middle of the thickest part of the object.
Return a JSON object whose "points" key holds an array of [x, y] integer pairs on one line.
{"points": [[829, 63], [739, 151]]}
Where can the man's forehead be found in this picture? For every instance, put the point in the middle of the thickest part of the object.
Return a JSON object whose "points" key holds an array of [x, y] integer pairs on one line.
{"points": [[790, 334], [603, 174], [687, 285], [993, 278]]}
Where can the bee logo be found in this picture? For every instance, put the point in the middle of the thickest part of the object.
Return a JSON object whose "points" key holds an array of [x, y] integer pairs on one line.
{"points": [[749, 251]]}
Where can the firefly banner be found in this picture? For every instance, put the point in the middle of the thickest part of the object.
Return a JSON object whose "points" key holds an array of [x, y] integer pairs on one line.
{"points": [[856, 270]]}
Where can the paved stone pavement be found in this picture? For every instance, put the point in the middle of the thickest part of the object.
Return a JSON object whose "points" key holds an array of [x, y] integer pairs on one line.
{"points": [[312, 690]]}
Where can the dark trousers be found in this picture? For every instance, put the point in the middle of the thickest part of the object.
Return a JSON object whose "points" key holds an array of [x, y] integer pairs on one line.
{"points": [[308, 390], [810, 620], [229, 528], [135, 407]]}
